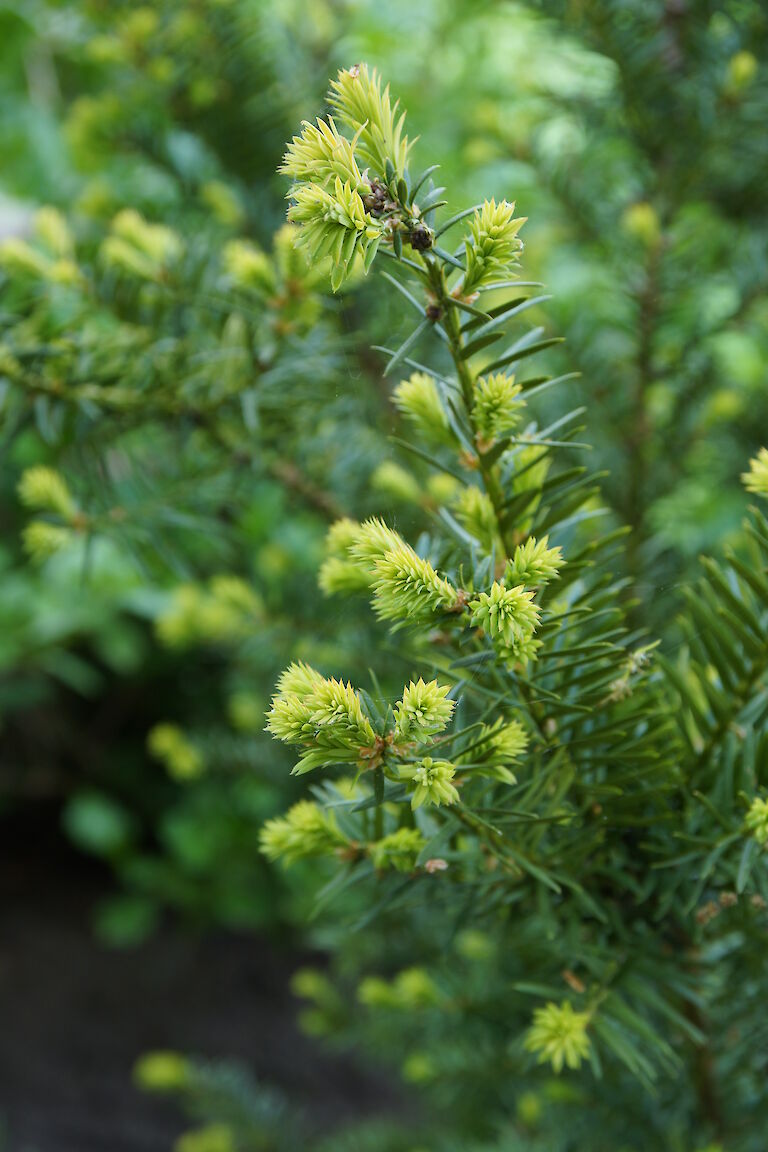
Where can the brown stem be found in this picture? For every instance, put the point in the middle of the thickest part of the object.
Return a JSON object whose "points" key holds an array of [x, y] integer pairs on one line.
{"points": [[704, 1075]]}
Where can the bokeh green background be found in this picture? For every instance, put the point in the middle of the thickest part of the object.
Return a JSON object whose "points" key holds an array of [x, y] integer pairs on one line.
{"points": [[212, 421]]}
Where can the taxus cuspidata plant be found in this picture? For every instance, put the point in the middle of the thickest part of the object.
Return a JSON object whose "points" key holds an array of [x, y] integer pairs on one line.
{"points": [[551, 818], [154, 315]]}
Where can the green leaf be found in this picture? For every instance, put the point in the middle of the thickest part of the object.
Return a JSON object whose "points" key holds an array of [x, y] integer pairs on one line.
{"points": [[516, 352], [749, 856], [476, 345], [447, 258], [508, 313], [422, 179], [449, 223], [405, 292], [407, 344]]}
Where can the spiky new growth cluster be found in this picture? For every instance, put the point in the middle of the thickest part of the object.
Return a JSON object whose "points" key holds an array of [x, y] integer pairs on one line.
{"points": [[398, 850], [409, 991], [341, 208], [419, 401], [559, 1036], [336, 224], [423, 711], [139, 248], [45, 490], [497, 407], [325, 717], [327, 720], [51, 255], [534, 563], [509, 617], [406, 587], [756, 479], [499, 745], [169, 744], [221, 612], [474, 509], [756, 821], [365, 108], [492, 245], [353, 193], [431, 780], [305, 830], [308, 830]]}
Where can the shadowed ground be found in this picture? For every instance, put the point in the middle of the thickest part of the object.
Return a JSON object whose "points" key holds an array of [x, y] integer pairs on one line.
{"points": [[74, 1016]]}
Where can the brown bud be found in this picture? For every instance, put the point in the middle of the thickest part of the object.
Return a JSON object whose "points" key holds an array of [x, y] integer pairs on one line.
{"points": [[421, 237], [573, 981], [461, 601], [707, 912], [377, 201]]}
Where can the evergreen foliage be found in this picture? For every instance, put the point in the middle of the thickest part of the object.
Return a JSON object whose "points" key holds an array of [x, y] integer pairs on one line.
{"points": [[656, 249], [169, 418], [527, 817], [593, 909]]}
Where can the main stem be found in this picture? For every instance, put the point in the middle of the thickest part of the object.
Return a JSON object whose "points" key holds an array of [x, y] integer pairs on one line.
{"points": [[449, 313], [452, 325]]}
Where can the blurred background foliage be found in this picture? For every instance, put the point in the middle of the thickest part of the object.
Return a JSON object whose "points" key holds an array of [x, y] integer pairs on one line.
{"points": [[212, 408]]}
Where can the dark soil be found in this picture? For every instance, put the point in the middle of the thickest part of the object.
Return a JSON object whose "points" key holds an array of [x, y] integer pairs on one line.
{"points": [[74, 1016]]}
